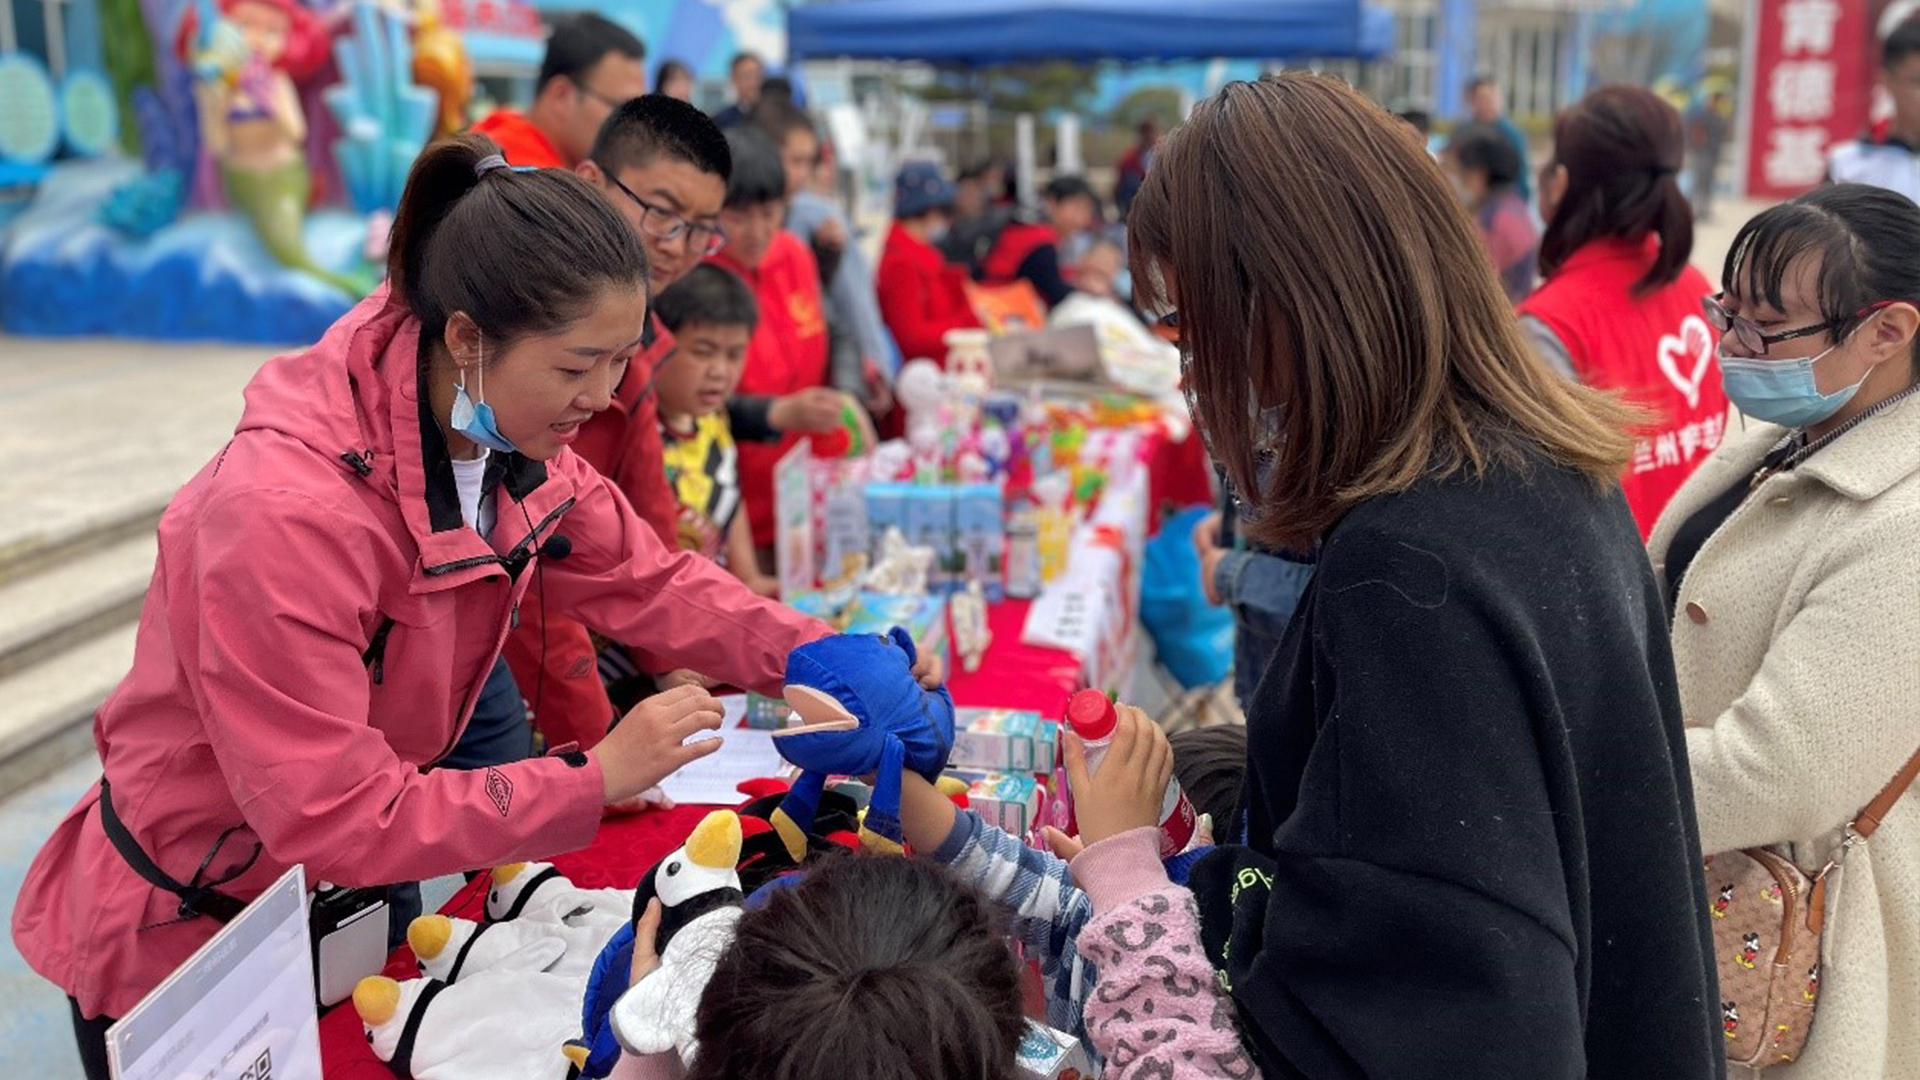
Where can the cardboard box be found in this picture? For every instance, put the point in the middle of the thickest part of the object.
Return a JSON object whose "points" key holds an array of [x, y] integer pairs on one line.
{"points": [[839, 507], [1003, 800], [1050, 1054], [980, 533], [1004, 740]]}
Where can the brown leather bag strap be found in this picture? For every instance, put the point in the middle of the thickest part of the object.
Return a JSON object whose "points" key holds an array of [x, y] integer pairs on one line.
{"points": [[1877, 810]]}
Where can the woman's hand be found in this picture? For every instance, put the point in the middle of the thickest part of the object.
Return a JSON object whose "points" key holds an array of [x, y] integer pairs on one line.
{"points": [[646, 955], [650, 743], [1131, 784], [679, 677], [1206, 544]]}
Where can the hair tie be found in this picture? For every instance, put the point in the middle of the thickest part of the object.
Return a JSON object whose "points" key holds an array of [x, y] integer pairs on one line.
{"points": [[489, 163], [1663, 170]]}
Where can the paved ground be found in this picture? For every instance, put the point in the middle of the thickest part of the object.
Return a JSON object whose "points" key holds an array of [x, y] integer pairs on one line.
{"points": [[92, 429]]}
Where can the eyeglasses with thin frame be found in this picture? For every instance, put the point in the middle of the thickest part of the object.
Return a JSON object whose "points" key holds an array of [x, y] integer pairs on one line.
{"points": [[676, 226], [1751, 338], [611, 103]]}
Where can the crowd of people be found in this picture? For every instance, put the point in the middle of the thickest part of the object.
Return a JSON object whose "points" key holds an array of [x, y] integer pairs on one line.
{"points": [[1529, 619]]}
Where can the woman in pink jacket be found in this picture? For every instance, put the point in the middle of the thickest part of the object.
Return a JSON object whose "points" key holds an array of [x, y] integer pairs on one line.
{"points": [[333, 587]]}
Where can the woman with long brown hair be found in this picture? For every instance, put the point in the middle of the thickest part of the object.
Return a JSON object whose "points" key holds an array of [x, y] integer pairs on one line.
{"points": [[1469, 845]]}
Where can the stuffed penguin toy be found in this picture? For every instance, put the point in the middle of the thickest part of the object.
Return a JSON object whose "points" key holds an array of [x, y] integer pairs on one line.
{"points": [[700, 897], [542, 939], [862, 711], [531, 888], [492, 1025]]}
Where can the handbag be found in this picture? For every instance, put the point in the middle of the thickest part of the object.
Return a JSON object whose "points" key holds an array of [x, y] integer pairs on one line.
{"points": [[1768, 916]]}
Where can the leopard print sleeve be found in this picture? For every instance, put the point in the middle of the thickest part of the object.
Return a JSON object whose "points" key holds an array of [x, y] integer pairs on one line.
{"points": [[1158, 1010]]}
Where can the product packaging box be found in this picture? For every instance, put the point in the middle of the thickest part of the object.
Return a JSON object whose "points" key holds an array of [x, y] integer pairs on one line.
{"points": [[886, 509], [1004, 740], [924, 617], [980, 530], [766, 713], [840, 527], [929, 517], [1004, 800], [1051, 1054]]}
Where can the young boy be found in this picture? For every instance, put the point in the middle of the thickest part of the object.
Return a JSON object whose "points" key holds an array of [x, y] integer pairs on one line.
{"points": [[712, 315]]}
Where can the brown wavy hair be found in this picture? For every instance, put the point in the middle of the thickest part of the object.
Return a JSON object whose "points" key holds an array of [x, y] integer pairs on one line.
{"points": [[1342, 331]]}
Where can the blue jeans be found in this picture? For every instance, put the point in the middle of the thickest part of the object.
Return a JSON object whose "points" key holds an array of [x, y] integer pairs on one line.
{"points": [[497, 733]]}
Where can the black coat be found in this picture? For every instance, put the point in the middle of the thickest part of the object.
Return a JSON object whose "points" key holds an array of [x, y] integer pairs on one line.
{"points": [[1471, 842]]}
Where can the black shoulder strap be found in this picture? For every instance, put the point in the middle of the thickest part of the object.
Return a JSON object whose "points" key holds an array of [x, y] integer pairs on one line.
{"points": [[526, 893], [402, 1061], [460, 958], [195, 899]]}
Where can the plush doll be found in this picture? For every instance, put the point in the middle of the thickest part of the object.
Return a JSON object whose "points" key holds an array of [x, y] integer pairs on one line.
{"points": [[517, 887], [544, 938], [493, 1025], [862, 712], [699, 893]]}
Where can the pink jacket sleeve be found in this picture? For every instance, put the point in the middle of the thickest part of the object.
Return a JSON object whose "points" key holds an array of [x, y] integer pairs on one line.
{"points": [[1158, 1009], [674, 609], [271, 649]]}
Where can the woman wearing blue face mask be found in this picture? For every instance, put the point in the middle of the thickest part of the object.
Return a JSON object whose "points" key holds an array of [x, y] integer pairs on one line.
{"points": [[1791, 566]]}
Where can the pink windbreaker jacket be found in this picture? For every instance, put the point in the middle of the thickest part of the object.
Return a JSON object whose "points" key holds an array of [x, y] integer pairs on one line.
{"points": [[319, 623]]}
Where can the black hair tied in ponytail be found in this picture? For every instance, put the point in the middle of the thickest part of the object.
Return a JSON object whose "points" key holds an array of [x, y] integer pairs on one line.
{"points": [[1622, 147], [520, 251]]}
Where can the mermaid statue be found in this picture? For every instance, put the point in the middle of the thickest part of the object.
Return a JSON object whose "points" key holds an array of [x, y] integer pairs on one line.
{"points": [[251, 119]]}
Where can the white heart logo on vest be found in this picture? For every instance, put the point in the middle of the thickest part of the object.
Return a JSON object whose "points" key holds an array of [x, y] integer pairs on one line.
{"points": [[1695, 341]]}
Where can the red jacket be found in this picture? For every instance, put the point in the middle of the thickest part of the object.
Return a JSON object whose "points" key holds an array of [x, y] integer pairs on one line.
{"points": [[319, 625], [520, 140], [570, 704], [788, 353], [1657, 349], [922, 296]]}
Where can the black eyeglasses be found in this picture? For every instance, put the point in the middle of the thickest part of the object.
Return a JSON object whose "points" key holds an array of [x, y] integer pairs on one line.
{"points": [[706, 239], [1748, 333]]}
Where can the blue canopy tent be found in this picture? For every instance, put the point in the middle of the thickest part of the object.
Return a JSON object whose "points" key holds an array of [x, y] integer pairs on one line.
{"points": [[981, 32]]}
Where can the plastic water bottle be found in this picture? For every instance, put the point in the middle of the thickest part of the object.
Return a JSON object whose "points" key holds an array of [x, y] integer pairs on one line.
{"points": [[1091, 715]]}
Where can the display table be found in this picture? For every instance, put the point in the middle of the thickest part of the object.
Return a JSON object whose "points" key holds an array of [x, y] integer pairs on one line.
{"points": [[1012, 675]]}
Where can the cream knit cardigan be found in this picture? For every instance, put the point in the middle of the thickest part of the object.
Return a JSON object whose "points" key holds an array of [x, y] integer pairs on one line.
{"points": [[1797, 642]]}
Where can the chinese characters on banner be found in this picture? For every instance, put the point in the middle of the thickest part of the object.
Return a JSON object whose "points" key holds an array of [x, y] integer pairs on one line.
{"points": [[1810, 80], [512, 18]]}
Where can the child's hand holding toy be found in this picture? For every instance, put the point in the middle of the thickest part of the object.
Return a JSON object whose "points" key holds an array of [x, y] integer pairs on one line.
{"points": [[1128, 790]]}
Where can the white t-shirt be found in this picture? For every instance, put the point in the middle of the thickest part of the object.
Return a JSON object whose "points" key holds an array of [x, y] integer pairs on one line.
{"points": [[469, 477]]}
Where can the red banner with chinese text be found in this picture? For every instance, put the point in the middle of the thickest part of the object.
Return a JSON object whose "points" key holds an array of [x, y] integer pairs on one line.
{"points": [[1809, 84]]}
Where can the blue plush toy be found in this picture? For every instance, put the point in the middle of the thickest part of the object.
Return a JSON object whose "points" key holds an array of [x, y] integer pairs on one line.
{"points": [[862, 712]]}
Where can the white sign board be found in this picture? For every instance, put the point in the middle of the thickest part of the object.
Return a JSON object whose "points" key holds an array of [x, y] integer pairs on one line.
{"points": [[239, 1009]]}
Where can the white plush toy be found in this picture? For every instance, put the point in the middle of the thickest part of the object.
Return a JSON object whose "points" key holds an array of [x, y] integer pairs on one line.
{"points": [[529, 889], [543, 938], [493, 1025]]}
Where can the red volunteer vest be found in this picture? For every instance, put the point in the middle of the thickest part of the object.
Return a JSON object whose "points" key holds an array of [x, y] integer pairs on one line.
{"points": [[1657, 350]]}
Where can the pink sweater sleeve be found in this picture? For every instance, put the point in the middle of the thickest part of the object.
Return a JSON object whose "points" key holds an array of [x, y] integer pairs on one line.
{"points": [[1158, 1009]]}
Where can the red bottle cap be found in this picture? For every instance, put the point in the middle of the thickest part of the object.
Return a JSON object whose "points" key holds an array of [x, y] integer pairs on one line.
{"points": [[1090, 714]]}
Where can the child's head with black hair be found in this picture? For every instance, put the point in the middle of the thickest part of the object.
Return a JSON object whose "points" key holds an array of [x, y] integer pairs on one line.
{"points": [[1484, 162], [530, 292], [1211, 765], [712, 314], [663, 164], [870, 967], [1071, 205], [756, 203], [591, 66]]}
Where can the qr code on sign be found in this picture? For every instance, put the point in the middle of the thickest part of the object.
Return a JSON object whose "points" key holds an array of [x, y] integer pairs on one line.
{"points": [[261, 1069]]}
